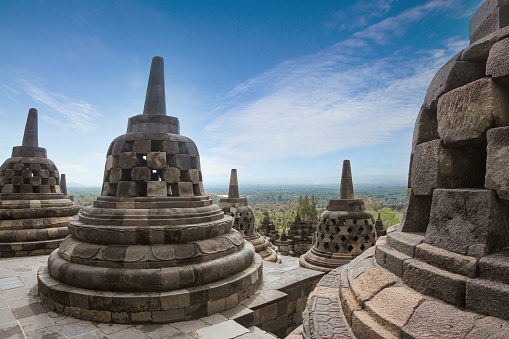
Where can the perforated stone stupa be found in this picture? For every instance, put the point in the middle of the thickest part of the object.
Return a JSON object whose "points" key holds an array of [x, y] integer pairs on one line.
{"points": [[33, 212], [344, 231], [244, 220], [152, 248], [444, 272]]}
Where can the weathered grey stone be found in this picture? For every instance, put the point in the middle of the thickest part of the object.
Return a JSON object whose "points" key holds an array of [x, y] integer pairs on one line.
{"points": [[498, 62], [437, 166], [140, 174], [126, 189], [472, 222], [438, 283], [452, 75], [127, 160], [425, 127], [497, 160], [488, 297], [466, 113], [405, 242], [479, 50], [192, 175], [495, 267], [171, 175], [437, 320], [446, 260], [492, 16], [142, 146], [156, 160], [156, 189], [390, 259], [489, 327]]}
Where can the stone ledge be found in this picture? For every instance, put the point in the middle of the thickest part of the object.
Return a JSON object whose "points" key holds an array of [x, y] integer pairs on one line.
{"points": [[446, 260], [405, 242]]}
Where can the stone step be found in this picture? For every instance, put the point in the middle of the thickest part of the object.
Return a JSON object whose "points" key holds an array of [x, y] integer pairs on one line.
{"points": [[447, 260], [364, 326], [495, 267], [488, 297], [405, 242], [390, 259], [435, 282]]}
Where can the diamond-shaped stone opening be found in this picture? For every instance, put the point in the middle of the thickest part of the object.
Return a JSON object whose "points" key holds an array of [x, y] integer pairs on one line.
{"points": [[343, 238], [349, 230], [366, 222], [356, 238], [366, 238], [326, 245], [327, 228], [361, 229], [322, 236], [343, 222], [354, 221], [350, 248], [336, 247], [363, 247]]}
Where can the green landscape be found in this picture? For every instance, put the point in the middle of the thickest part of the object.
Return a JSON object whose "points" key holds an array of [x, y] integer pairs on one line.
{"points": [[283, 202]]}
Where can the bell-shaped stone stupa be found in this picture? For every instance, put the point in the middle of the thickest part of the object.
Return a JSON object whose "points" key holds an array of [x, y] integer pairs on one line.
{"points": [[152, 248], [267, 228], [444, 271], [242, 213], [345, 229], [33, 211]]}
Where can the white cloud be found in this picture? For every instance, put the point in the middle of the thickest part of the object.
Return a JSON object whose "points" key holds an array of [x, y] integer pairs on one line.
{"points": [[329, 101], [78, 114]]}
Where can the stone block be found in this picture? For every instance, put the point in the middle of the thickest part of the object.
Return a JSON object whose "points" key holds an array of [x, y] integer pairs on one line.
{"points": [[17, 180], [8, 188], [127, 160], [44, 173], [471, 222], [142, 146], [467, 113], [156, 189], [452, 75], [141, 174], [488, 297], [192, 175], [434, 282], [52, 181], [171, 147], [349, 304], [364, 326], [446, 260], [18, 166], [198, 189], [182, 189], [35, 181], [111, 162], [35, 166], [26, 173], [497, 160], [126, 189], [433, 319], [9, 173], [390, 259], [405, 242], [497, 64], [394, 306], [489, 327], [182, 161], [115, 175], [437, 166], [171, 175], [156, 160], [369, 283], [425, 127], [492, 16], [495, 267]]}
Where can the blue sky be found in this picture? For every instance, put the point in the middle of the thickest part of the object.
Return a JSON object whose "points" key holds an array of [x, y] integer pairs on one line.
{"points": [[281, 90]]}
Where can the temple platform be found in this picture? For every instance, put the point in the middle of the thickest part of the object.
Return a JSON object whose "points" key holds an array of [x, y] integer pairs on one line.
{"points": [[274, 311]]}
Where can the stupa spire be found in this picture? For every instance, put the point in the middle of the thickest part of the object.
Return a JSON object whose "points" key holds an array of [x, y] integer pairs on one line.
{"points": [[233, 192], [155, 100], [31, 136], [346, 189]]}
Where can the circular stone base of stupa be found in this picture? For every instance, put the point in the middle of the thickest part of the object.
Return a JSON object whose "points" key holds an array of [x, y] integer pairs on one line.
{"points": [[33, 223], [150, 307], [409, 289], [323, 261], [263, 248]]}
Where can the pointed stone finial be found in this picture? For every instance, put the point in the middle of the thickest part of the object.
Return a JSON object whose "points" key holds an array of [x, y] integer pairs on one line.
{"points": [[31, 136], [379, 217], [155, 100], [346, 189], [63, 184], [233, 192]]}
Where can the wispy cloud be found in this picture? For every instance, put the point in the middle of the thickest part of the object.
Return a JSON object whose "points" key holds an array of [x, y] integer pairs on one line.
{"points": [[76, 114], [358, 15], [329, 101]]}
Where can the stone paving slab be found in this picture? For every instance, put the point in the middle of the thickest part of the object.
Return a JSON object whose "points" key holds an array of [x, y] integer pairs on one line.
{"points": [[23, 316]]}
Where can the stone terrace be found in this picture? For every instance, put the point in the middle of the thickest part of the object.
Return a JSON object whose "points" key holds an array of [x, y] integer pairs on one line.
{"points": [[283, 295]]}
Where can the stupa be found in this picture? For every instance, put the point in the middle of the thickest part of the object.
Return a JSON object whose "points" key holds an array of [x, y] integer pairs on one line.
{"points": [[244, 220], [33, 212], [345, 230], [444, 271], [379, 226], [152, 248], [267, 228], [299, 239]]}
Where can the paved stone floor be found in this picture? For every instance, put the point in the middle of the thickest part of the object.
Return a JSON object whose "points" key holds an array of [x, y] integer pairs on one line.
{"points": [[22, 316]]}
